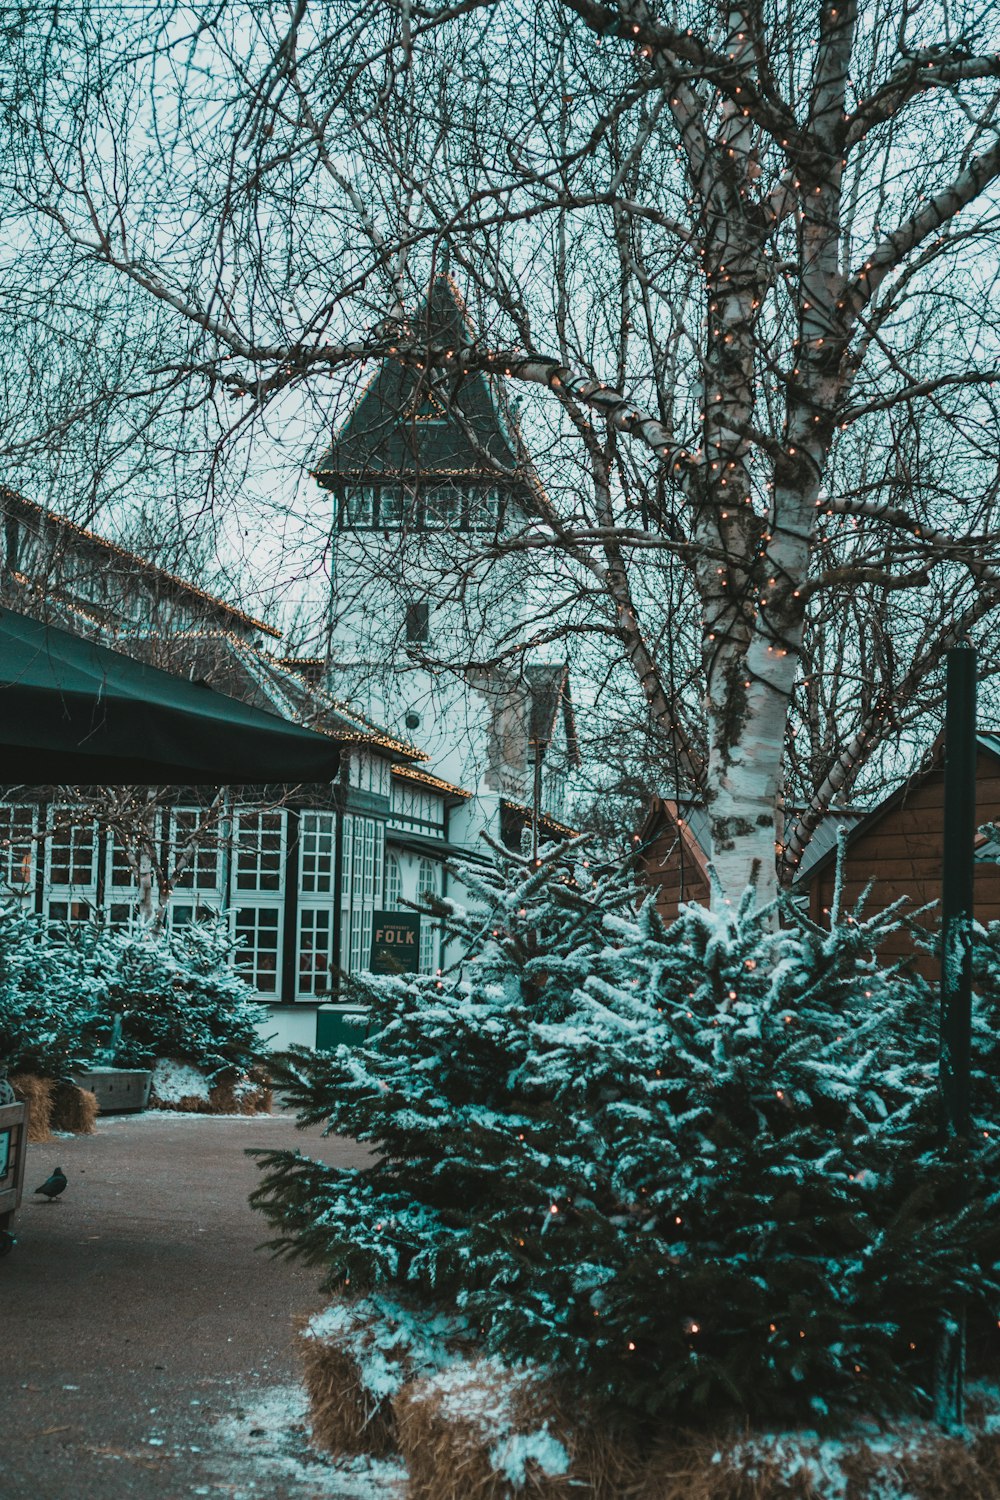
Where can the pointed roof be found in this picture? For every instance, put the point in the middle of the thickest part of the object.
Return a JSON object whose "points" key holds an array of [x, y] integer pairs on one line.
{"points": [[548, 688], [404, 425]]}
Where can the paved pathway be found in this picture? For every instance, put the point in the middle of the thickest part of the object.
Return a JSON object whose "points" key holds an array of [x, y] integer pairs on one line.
{"points": [[145, 1342]]}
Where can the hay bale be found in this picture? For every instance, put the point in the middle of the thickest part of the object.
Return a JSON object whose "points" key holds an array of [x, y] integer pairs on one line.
{"points": [[242, 1094], [357, 1355], [74, 1109], [948, 1467], [699, 1468], [480, 1430], [919, 1463], [36, 1093]]}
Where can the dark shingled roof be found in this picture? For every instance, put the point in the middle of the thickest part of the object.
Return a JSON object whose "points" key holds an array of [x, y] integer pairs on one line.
{"points": [[401, 427], [11, 503]]}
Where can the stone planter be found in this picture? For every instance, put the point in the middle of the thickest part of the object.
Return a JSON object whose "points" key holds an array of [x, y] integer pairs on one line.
{"points": [[118, 1090]]}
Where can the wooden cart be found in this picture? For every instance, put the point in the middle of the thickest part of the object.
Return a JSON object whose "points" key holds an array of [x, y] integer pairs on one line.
{"points": [[13, 1141]]}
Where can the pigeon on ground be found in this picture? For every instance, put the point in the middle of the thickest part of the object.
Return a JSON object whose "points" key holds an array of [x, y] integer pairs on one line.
{"points": [[53, 1185]]}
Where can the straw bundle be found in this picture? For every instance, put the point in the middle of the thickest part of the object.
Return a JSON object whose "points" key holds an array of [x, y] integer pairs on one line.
{"points": [[74, 1109], [922, 1465], [344, 1415], [481, 1431], [36, 1093], [357, 1355], [242, 1094]]}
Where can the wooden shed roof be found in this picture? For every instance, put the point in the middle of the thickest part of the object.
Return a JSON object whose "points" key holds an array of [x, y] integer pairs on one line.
{"points": [[988, 741]]}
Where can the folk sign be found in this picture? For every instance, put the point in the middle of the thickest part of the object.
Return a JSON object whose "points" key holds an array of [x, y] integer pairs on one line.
{"points": [[395, 942]]}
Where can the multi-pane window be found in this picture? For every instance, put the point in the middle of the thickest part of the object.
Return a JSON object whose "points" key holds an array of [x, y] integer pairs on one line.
{"points": [[121, 863], [347, 860], [258, 869], [260, 848], [70, 911], [316, 851], [315, 951], [186, 913], [361, 888], [258, 937], [358, 507], [195, 852], [361, 931], [391, 509], [17, 848], [72, 854], [444, 505], [393, 883], [428, 883], [71, 868], [484, 510], [121, 915]]}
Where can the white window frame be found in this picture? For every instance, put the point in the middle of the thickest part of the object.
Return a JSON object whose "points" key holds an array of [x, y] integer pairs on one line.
{"points": [[393, 896], [361, 889], [208, 847], [18, 847], [252, 969], [314, 826], [75, 893], [429, 882], [250, 903], [313, 982], [243, 819]]}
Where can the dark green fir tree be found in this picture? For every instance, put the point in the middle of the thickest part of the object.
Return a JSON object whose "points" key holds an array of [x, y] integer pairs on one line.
{"points": [[690, 1168]]}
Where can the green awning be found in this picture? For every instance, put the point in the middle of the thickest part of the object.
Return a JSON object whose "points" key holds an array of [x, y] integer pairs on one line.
{"points": [[73, 712]]}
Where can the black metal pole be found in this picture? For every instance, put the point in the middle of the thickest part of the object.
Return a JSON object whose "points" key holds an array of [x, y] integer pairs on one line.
{"points": [[957, 892], [957, 905]]}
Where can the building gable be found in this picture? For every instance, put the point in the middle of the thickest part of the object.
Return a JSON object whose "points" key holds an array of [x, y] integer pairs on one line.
{"points": [[412, 427]]}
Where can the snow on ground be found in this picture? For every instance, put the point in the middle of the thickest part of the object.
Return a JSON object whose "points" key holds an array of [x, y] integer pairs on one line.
{"points": [[170, 1116], [261, 1449]]}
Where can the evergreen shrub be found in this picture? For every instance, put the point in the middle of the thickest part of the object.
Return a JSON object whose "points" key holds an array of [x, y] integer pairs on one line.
{"points": [[690, 1169], [72, 996]]}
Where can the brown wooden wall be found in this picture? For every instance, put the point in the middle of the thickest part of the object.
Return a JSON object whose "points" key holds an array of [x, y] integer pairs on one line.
{"points": [[674, 871], [901, 853]]}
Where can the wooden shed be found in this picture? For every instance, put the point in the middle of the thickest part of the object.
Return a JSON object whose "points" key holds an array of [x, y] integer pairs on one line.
{"points": [[895, 846], [898, 847], [672, 854]]}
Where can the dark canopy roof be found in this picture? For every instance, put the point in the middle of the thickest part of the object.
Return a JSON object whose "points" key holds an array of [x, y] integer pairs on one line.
{"points": [[72, 711]]}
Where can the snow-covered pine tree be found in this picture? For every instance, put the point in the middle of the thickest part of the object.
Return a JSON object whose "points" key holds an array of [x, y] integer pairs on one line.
{"points": [[51, 991], [178, 995], [691, 1169]]}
